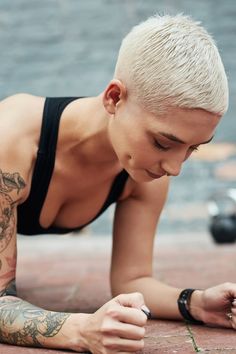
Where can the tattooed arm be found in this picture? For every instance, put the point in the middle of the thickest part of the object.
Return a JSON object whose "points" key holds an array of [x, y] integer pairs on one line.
{"points": [[20, 322], [24, 324], [116, 327]]}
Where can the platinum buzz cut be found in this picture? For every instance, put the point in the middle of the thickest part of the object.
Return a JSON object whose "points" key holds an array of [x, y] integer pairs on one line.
{"points": [[172, 61]]}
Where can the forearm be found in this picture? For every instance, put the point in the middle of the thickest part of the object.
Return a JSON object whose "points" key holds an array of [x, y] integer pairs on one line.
{"points": [[24, 324], [159, 297]]}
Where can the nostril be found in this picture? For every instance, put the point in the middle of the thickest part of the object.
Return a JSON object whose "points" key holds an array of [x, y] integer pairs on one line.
{"points": [[171, 168], [172, 172]]}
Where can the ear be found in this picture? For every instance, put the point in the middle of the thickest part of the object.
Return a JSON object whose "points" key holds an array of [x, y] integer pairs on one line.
{"points": [[113, 94]]}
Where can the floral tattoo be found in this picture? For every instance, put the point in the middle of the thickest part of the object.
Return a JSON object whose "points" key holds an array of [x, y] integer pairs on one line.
{"points": [[8, 182], [35, 323]]}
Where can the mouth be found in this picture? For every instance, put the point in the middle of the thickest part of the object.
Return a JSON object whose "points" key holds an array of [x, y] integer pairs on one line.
{"points": [[153, 175]]}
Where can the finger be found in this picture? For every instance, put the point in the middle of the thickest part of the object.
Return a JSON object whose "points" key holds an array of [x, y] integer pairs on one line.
{"points": [[125, 331], [131, 345], [123, 345], [233, 310], [127, 315], [135, 300], [233, 320], [230, 317], [230, 290]]}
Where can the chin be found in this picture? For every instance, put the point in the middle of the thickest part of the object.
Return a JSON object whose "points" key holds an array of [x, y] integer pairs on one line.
{"points": [[139, 176]]}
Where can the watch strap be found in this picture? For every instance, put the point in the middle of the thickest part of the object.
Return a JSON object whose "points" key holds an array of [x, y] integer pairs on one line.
{"points": [[183, 305]]}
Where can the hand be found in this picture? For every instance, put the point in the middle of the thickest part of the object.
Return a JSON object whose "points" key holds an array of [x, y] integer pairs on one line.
{"points": [[215, 305], [118, 326]]}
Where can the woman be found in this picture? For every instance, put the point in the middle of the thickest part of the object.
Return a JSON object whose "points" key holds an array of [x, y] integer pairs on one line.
{"points": [[64, 160]]}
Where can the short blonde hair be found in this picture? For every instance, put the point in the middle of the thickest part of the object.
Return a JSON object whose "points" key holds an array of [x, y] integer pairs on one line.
{"points": [[172, 61]]}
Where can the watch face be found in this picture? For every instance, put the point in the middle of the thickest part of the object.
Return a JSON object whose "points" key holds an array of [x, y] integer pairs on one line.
{"points": [[184, 298]]}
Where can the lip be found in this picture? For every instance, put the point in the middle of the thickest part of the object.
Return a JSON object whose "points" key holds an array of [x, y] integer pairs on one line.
{"points": [[153, 175]]}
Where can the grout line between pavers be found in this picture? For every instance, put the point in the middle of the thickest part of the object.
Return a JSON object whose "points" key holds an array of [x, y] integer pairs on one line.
{"points": [[228, 350], [195, 346], [165, 336], [198, 349]]}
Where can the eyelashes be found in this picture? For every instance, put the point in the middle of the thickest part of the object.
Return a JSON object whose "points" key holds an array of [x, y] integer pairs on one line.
{"points": [[159, 146], [166, 148], [194, 148]]}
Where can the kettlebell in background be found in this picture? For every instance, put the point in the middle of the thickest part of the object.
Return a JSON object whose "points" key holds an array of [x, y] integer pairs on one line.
{"points": [[222, 211]]}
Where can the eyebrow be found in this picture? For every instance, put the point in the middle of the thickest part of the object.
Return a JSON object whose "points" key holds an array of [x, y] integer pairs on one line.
{"points": [[177, 140]]}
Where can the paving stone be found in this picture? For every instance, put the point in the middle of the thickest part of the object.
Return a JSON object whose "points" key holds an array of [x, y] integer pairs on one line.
{"points": [[167, 337], [72, 274], [168, 344], [214, 338], [10, 349], [166, 328], [220, 351]]}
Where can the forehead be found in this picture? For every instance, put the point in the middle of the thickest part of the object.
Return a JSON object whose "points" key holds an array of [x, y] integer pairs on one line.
{"points": [[188, 124]]}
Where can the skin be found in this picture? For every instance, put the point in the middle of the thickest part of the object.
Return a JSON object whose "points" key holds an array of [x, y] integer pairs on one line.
{"points": [[131, 128], [120, 135]]}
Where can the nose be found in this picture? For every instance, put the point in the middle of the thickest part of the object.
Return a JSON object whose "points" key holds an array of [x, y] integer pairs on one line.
{"points": [[172, 168]]}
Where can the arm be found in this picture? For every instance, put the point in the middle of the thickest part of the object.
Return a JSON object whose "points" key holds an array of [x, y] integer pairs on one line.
{"points": [[135, 224], [24, 324], [20, 322]]}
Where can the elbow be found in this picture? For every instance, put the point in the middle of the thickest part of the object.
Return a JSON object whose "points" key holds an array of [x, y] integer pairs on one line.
{"points": [[115, 291], [118, 286], [122, 286], [114, 288]]}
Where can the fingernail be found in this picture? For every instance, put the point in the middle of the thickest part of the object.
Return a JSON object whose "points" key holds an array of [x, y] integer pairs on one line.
{"points": [[147, 312]]}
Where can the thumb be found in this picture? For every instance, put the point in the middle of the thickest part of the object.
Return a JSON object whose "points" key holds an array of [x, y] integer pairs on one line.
{"points": [[134, 300]]}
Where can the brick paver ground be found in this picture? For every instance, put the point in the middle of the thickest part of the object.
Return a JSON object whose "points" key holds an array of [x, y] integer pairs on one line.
{"points": [[70, 273]]}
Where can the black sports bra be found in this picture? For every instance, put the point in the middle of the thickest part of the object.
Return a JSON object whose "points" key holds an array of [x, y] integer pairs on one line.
{"points": [[29, 212]]}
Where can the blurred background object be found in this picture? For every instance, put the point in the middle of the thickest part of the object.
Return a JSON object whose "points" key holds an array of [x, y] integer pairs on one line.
{"points": [[69, 48], [222, 212]]}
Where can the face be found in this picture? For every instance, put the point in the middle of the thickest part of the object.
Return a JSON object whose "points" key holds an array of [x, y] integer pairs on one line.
{"points": [[150, 146]]}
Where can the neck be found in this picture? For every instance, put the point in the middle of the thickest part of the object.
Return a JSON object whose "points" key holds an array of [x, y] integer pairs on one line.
{"points": [[93, 145]]}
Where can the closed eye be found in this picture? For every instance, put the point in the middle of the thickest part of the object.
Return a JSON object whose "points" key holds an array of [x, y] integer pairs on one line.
{"points": [[160, 146], [166, 148]]}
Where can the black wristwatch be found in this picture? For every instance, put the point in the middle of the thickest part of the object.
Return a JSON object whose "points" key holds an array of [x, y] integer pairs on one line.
{"points": [[183, 304]]}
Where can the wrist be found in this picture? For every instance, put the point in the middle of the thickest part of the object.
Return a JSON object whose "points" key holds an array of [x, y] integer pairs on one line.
{"points": [[195, 305], [74, 333], [184, 302]]}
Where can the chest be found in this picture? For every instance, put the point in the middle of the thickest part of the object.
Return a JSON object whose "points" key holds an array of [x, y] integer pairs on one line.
{"points": [[74, 199]]}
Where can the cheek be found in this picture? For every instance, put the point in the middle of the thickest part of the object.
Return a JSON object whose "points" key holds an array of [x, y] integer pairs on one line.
{"points": [[143, 156], [132, 146]]}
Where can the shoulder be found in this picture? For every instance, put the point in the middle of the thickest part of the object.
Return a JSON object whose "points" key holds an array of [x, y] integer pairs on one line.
{"points": [[16, 110], [15, 98], [19, 129], [10, 102], [20, 118], [19, 102]]}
